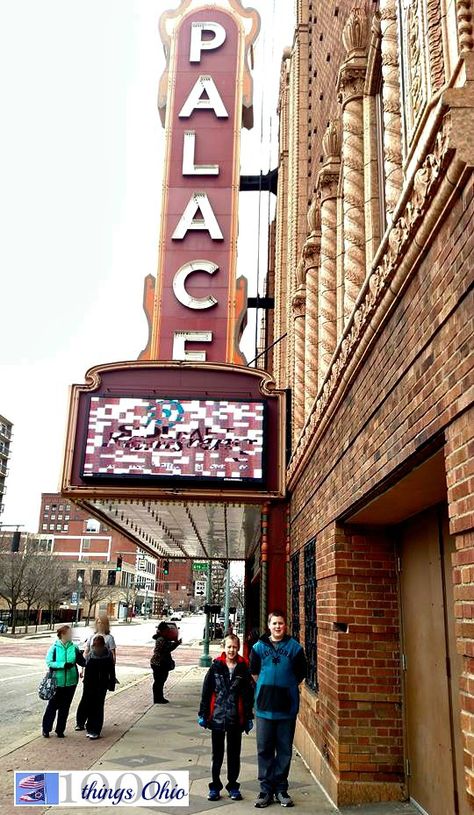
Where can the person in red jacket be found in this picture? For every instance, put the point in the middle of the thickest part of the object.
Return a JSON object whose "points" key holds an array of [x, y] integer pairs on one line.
{"points": [[227, 710]]}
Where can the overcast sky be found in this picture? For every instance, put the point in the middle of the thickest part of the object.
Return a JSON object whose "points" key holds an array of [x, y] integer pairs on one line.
{"points": [[81, 152]]}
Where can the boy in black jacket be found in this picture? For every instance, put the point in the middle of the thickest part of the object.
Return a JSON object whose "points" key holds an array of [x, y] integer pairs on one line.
{"points": [[99, 677], [226, 708]]}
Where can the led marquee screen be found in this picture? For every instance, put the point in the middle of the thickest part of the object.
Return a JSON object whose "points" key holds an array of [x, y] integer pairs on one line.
{"points": [[198, 439]]}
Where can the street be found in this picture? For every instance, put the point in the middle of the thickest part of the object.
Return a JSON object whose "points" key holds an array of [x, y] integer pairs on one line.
{"points": [[22, 666]]}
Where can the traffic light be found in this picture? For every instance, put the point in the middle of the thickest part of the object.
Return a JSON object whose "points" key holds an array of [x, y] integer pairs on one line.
{"points": [[166, 567], [16, 541], [118, 567]]}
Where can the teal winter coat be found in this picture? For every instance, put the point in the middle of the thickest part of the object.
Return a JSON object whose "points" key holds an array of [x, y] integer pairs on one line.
{"points": [[58, 655]]}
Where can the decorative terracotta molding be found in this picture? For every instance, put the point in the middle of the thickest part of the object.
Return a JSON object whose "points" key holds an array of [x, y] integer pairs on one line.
{"points": [[327, 328], [392, 130], [355, 33], [423, 202], [415, 62], [311, 255], [435, 44], [464, 14], [352, 84], [332, 140], [328, 182], [298, 304]]}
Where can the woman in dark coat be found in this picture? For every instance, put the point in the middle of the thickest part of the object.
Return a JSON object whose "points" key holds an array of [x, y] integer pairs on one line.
{"points": [[226, 708], [162, 662], [99, 677]]}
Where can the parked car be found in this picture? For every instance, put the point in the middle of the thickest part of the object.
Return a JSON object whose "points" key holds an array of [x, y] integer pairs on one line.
{"points": [[177, 616]]}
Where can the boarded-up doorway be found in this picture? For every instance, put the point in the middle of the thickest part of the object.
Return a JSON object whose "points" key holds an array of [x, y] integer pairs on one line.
{"points": [[431, 665]]}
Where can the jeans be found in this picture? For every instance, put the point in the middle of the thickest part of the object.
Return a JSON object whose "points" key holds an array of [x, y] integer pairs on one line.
{"points": [[160, 675], [234, 743], [90, 711], [274, 749], [60, 704]]}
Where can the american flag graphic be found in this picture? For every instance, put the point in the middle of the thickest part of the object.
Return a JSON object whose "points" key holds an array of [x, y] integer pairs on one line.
{"points": [[36, 788]]}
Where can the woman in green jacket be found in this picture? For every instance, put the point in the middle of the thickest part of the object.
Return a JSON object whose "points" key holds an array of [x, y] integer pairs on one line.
{"points": [[62, 658]]}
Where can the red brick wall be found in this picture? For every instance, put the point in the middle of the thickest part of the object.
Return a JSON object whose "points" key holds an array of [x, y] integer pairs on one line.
{"points": [[459, 451], [413, 390]]}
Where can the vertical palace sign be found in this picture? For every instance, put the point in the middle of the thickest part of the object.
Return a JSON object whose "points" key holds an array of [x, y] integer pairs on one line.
{"points": [[196, 306]]}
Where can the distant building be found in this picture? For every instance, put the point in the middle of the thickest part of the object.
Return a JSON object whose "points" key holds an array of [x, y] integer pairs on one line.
{"points": [[5, 444], [178, 585], [93, 551]]}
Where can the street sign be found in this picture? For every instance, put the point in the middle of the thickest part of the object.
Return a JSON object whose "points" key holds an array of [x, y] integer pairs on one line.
{"points": [[200, 588], [74, 598], [200, 567]]}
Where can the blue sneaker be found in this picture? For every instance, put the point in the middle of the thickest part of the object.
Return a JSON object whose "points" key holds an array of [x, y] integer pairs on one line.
{"points": [[214, 795], [235, 795]]}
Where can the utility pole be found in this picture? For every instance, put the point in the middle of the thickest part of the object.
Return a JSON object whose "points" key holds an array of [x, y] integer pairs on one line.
{"points": [[205, 659], [78, 598]]}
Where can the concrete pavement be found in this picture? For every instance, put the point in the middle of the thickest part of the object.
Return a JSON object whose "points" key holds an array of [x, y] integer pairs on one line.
{"points": [[141, 736]]}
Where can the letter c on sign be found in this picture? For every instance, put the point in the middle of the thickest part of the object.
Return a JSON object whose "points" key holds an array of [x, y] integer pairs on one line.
{"points": [[179, 284]]}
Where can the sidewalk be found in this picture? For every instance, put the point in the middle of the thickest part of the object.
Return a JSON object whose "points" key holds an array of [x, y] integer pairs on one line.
{"points": [[140, 736]]}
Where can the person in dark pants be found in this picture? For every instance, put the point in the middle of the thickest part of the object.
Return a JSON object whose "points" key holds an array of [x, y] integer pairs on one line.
{"points": [[162, 662], [226, 708], [278, 665], [99, 677], [62, 658]]}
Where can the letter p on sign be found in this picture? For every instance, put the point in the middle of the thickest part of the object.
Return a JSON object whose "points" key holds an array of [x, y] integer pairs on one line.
{"points": [[198, 44]]}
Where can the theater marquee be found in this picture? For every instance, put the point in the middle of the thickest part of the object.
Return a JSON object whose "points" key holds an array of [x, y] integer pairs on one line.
{"points": [[152, 429], [196, 307]]}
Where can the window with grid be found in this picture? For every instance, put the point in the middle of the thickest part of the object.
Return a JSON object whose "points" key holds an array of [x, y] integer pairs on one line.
{"points": [[295, 596], [311, 628]]}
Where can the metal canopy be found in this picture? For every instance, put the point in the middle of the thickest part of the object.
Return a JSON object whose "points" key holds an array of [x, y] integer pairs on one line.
{"points": [[195, 530]]}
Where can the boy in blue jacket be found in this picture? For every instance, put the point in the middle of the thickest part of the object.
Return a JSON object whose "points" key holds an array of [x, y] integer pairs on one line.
{"points": [[277, 665]]}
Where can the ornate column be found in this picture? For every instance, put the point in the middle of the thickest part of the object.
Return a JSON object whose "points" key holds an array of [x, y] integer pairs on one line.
{"points": [[392, 129], [299, 306], [351, 89], [328, 185], [465, 14], [311, 251]]}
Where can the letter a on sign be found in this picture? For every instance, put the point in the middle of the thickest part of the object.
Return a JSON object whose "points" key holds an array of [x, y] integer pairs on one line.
{"points": [[212, 100], [199, 202]]}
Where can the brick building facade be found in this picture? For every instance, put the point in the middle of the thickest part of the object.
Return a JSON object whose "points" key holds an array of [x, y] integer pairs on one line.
{"points": [[6, 428], [373, 334], [178, 585], [87, 545]]}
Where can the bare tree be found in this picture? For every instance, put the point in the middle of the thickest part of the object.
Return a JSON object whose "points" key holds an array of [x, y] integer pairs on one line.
{"points": [[35, 577], [93, 591], [237, 593], [128, 594], [13, 570], [56, 586]]}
